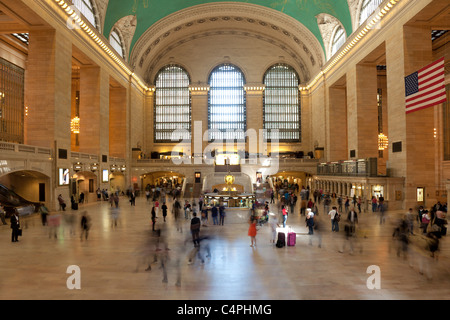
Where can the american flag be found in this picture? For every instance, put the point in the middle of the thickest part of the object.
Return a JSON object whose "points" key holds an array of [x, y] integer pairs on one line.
{"points": [[426, 87]]}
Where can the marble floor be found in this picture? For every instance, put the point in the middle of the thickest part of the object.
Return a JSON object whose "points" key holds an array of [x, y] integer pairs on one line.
{"points": [[113, 260]]}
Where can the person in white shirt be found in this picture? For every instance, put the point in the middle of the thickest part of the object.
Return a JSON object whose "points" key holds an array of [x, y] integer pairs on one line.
{"points": [[334, 214]]}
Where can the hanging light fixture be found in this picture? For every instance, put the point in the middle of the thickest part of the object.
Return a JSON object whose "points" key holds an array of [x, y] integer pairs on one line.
{"points": [[75, 125], [383, 142]]}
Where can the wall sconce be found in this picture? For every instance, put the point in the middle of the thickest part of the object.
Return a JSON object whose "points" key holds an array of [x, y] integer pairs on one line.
{"points": [[123, 168], [94, 167]]}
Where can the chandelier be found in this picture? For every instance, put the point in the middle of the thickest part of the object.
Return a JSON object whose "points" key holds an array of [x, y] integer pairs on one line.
{"points": [[75, 125], [383, 141]]}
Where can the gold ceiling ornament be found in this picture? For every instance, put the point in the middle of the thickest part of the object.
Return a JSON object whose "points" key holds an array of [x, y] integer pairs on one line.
{"points": [[383, 141], [75, 125]]}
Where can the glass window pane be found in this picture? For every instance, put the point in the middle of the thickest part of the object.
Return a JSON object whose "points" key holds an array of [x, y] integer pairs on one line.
{"points": [[12, 107], [227, 109], [87, 9], [367, 8], [172, 105], [116, 43], [282, 104], [338, 40]]}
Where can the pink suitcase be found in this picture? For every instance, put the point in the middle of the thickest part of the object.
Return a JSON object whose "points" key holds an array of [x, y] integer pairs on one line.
{"points": [[291, 238]]}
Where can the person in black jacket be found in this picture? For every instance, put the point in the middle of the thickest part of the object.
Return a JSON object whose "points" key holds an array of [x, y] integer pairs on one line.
{"points": [[15, 226], [195, 229]]}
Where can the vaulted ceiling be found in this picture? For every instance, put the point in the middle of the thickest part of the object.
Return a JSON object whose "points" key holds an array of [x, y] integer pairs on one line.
{"points": [[148, 12], [154, 29]]}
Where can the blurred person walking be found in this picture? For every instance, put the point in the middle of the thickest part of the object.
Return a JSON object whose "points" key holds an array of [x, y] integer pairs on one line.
{"points": [[195, 229], [153, 217], [3, 214], [44, 213], [85, 225], [273, 222]]}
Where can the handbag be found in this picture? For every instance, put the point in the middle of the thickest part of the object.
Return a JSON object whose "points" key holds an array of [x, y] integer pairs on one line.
{"points": [[337, 218], [19, 232]]}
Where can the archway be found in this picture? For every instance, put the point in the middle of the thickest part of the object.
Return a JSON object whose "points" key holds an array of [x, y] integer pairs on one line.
{"points": [[86, 186], [292, 180], [24, 191], [168, 180]]}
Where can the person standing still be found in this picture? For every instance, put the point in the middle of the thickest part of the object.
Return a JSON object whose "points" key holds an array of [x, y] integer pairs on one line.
{"points": [[222, 214], [164, 210], [285, 215], [214, 213], [334, 214], [252, 230], [15, 226]]}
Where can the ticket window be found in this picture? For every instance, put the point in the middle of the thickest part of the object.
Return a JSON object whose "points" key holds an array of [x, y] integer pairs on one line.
{"points": [[420, 195]]}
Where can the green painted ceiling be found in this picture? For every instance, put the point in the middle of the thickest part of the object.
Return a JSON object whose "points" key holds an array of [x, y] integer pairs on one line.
{"points": [[149, 12]]}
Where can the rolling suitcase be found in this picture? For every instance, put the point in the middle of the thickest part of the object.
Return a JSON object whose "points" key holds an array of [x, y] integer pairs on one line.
{"points": [[291, 238], [281, 240]]}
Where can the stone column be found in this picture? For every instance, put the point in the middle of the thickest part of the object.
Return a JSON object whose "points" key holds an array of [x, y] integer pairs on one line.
{"points": [[362, 118], [255, 117], [94, 111], [48, 94], [118, 122], [199, 101], [409, 50], [48, 89], [338, 149]]}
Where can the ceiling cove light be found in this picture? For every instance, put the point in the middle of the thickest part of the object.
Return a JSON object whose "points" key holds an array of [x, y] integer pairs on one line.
{"points": [[369, 26], [93, 35]]}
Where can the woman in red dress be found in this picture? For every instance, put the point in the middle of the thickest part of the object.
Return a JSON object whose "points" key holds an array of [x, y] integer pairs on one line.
{"points": [[252, 230]]}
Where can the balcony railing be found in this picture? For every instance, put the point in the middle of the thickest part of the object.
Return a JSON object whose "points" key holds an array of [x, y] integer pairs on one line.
{"points": [[359, 168], [21, 148]]}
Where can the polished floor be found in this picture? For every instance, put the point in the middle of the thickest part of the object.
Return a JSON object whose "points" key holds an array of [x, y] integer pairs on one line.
{"points": [[113, 261]]}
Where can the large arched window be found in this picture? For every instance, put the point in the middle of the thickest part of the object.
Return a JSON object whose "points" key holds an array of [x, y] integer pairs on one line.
{"points": [[87, 9], [338, 40], [116, 42], [282, 104], [172, 105], [367, 8], [227, 118]]}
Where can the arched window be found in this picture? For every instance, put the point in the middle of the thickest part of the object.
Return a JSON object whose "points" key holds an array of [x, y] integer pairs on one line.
{"points": [[338, 40], [367, 8], [227, 118], [172, 105], [116, 42], [87, 9], [282, 104]]}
